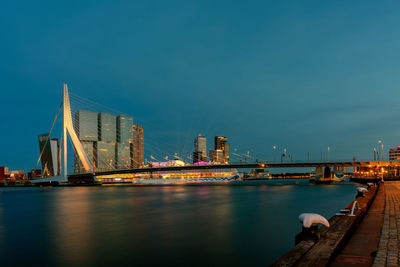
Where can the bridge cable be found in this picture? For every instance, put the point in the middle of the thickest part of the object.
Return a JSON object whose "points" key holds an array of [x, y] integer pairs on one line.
{"points": [[48, 137]]}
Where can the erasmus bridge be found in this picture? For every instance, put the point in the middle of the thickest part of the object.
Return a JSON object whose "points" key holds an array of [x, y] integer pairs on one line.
{"points": [[90, 173]]}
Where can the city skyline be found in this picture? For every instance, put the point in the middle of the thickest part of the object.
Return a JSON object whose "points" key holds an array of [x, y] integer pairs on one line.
{"points": [[301, 77]]}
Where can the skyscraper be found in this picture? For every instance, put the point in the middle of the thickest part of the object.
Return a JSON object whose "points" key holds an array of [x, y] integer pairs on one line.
{"points": [[105, 156], [107, 127], [222, 144], [124, 139], [200, 149], [86, 127], [217, 156], [50, 157], [108, 140], [124, 129], [137, 146]]}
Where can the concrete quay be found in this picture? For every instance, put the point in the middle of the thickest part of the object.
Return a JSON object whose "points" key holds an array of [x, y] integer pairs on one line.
{"points": [[333, 239], [371, 240], [388, 248]]}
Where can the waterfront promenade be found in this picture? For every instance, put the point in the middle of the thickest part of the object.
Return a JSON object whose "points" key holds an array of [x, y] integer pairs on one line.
{"points": [[371, 240], [378, 234], [388, 248]]}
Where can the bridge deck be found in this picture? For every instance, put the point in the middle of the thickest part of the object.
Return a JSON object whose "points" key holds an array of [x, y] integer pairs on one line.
{"points": [[251, 165]]}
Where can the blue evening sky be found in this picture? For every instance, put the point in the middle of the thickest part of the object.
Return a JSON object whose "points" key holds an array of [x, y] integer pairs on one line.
{"points": [[302, 75]]}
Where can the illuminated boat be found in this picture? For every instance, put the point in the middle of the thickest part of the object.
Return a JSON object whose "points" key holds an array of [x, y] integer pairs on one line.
{"points": [[206, 176], [257, 174]]}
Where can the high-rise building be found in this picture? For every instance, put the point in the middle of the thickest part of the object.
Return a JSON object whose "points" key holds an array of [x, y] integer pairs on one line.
{"points": [[200, 149], [137, 146], [217, 156], [90, 149], [394, 153], [109, 141], [105, 156], [86, 125], [222, 144], [123, 155], [124, 129], [107, 127], [50, 157]]}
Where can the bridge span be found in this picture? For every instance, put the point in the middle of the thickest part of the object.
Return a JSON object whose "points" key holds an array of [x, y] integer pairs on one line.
{"points": [[247, 166]]}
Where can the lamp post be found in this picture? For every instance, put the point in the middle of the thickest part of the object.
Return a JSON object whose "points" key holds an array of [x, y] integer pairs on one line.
{"points": [[274, 148], [380, 143], [329, 149]]}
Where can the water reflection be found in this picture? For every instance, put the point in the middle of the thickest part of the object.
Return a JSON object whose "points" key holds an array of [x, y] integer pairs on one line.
{"points": [[163, 225], [72, 225]]}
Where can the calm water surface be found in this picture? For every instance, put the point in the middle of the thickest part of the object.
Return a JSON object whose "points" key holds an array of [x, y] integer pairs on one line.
{"points": [[159, 225]]}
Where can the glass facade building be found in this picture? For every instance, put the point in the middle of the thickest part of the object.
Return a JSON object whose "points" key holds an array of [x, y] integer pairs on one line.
{"points": [[221, 143], [107, 127], [123, 153], [90, 149], [50, 156], [200, 149], [137, 146], [86, 125], [105, 157], [109, 141], [217, 156], [124, 129]]}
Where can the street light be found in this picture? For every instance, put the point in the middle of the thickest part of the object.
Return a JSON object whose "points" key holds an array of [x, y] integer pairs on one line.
{"points": [[329, 149], [380, 145], [274, 148]]}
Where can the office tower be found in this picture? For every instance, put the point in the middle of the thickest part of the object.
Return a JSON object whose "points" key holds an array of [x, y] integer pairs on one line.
{"points": [[137, 146], [56, 155], [86, 125], [107, 127], [217, 156], [50, 156], [124, 129], [90, 149], [105, 155], [222, 144], [109, 141], [200, 149], [123, 155]]}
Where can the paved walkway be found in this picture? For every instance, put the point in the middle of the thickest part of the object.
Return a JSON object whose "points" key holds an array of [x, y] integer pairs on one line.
{"points": [[363, 243], [388, 249]]}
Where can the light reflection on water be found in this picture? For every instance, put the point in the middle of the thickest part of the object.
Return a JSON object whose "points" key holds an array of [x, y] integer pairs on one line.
{"points": [[161, 225]]}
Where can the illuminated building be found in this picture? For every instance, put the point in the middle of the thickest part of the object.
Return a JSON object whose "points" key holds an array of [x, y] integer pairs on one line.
{"points": [[217, 156], [124, 129], [221, 143], [108, 140], [200, 149], [107, 127], [123, 155], [50, 157], [105, 155], [137, 146], [86, 125], [394, 153]]}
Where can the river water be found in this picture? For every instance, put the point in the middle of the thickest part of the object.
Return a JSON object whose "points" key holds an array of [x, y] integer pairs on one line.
{"points": [[159, 225]]}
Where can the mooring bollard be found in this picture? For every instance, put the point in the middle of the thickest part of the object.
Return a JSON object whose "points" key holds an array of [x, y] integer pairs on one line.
{"points": [[309, 230], [361, 191]]}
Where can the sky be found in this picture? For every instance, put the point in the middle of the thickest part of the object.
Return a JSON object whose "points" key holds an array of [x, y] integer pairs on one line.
{"points": [[300, 75]]}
